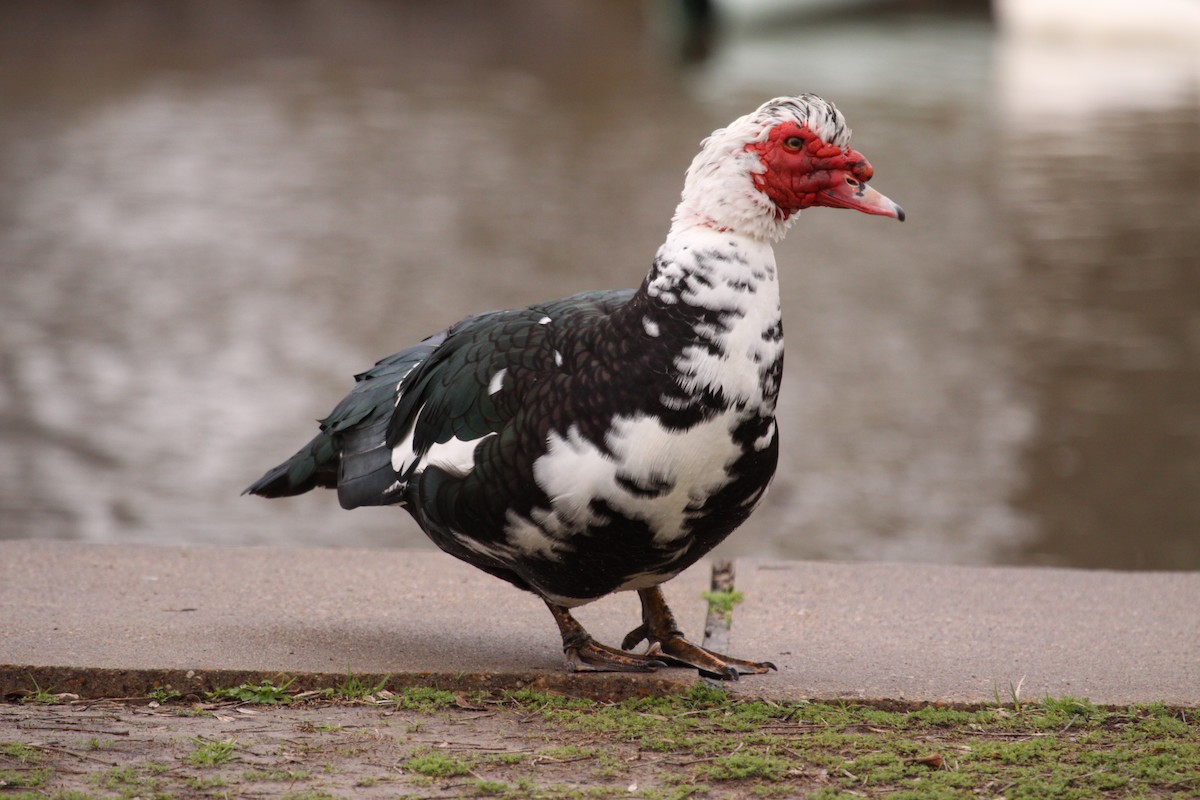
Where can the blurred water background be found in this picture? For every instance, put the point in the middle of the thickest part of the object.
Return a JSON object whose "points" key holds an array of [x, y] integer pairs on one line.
{"points": [[213, 213]]}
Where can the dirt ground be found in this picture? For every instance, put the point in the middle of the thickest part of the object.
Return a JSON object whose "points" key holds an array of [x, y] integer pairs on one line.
{"points": [[314, 751], [259, 741]]}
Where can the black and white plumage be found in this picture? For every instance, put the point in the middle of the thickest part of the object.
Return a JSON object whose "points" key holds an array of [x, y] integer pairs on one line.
{"points": [[608, 440]]}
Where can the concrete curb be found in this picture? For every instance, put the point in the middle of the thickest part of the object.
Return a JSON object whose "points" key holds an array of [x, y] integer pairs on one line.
{"points": [[119, 620]]}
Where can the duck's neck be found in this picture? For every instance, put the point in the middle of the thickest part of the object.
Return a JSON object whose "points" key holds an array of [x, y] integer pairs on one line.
{"points": [[724, 289]]}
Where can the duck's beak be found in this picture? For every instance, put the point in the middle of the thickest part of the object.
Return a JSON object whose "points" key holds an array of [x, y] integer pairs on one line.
{"points": [[848, 191]]}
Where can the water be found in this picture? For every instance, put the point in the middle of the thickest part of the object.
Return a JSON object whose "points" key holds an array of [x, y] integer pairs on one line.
{"points": [[211, 217]]}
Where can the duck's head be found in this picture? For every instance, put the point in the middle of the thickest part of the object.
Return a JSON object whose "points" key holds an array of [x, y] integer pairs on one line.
{"points": [[754, 176]]}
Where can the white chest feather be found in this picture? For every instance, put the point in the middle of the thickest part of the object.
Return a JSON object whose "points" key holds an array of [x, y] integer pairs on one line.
{"points": [[736, 278], [653, 474]]}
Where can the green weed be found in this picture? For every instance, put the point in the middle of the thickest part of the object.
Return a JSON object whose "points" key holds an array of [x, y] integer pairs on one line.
{"points": [[160, 694], [723, 602], [355, 688], [212, 753], [265, 693], [43, 696]]}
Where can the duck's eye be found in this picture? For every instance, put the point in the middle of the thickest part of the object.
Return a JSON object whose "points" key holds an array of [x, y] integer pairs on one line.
{"points": [[793, 143]]}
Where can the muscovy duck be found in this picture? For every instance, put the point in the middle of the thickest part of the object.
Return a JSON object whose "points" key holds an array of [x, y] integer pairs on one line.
{"points": [[607, 441]]}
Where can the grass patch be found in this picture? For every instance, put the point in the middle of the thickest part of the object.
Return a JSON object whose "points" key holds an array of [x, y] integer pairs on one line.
{"points": [[210, 753], [280, 775], [128, 781], [424, 700], [702, 743], [741, 765], [1054, 748], [493, 788], [205, 784], [310, 794], [437, 765], [23, 779], [21, 752]]}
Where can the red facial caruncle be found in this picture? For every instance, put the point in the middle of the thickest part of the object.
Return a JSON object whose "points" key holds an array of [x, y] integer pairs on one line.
{"points": [[803, 171]]}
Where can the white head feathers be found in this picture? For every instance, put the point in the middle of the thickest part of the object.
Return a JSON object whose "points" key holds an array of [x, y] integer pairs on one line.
{"points": [[719, 190]]}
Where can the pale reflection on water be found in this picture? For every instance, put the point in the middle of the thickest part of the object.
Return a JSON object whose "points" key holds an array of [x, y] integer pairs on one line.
{"points": [[208, 224]]}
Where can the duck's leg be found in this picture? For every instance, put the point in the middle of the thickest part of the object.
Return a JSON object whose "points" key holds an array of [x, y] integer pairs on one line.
{"points": [[585, 654], [666, 640]]}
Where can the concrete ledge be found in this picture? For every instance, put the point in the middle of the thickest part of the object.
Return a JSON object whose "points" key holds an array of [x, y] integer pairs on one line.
{"points": [[100, 620], [105, 620], [909, 632]]}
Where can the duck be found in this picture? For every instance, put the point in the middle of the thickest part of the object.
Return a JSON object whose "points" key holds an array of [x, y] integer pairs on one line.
{"points": [[607, 441]]}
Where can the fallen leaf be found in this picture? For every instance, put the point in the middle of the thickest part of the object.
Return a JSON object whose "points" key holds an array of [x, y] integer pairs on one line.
{"points": [[461, 701], [933, 761]]}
